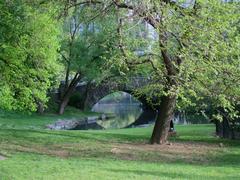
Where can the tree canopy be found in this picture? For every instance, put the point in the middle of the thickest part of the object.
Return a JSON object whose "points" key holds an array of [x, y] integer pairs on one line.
{"points": [[28, 54], [193, 53], [188, 51]]}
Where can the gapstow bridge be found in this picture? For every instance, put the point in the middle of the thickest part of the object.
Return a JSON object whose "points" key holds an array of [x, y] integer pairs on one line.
{"points": [[87, 95]]}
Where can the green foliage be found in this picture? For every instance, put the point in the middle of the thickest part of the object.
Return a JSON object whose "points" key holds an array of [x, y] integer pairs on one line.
{"points": [[86, 40], [202, 43], [28, 54], [205, 37], [211, 58]]}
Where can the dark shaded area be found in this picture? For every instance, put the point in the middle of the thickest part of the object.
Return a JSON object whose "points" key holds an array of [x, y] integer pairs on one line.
{"points": [[228, 128], [148, 116], [87, 126]]}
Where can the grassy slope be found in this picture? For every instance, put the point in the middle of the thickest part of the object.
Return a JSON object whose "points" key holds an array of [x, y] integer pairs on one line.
{"points": [[112, 154], [35, 121]]}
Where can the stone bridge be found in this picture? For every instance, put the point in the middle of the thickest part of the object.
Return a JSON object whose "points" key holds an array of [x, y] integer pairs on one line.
{"points": [[92, 93], [95, 92]]}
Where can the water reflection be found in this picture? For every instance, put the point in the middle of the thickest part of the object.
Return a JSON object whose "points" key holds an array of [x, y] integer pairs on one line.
{"points": [[125, 108], [125, 114], [128, 112]]}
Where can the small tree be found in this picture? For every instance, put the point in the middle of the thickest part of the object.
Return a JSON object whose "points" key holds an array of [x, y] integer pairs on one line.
{"points": [[84, 46]]}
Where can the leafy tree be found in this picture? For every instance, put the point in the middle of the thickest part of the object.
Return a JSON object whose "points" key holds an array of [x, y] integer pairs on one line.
{"points": [[86, 40], [28, 54], [196, 52], [196, 45]]}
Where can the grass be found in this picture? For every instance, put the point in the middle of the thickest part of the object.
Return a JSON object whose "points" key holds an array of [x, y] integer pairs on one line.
{"points": [[35, 153], [10, 120]]}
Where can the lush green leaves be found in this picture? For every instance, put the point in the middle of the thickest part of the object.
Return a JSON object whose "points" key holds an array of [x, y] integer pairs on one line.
{"points": [[28, 53], [205, 38]]}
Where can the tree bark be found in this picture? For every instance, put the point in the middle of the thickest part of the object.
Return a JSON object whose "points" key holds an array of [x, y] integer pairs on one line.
{"points": [[168, 103], [64, 103], [218, 128], [164, 116], [67, 76], [68, 92], [40, 108], [226, 128]]}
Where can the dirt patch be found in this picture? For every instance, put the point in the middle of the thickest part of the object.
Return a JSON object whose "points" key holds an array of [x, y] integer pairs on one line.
{"points": [[46, 151], [183, 148], [186, 152], [39, 150], [2, 158]]}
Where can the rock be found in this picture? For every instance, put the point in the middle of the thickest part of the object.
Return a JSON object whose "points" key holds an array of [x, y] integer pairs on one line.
{"points": [[63, 125], [87, 123]]}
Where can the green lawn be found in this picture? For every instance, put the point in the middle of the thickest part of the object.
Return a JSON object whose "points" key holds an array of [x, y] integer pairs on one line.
{"points": [[10, 120], [35, 153]]}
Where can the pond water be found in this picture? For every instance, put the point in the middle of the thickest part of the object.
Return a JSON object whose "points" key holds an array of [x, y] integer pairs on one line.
{"points": [[128, 112], [125, 114], [125, 108]]}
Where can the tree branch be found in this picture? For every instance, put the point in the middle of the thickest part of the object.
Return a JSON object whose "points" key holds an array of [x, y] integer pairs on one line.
{"points": [[64, 57], [153, 22]]}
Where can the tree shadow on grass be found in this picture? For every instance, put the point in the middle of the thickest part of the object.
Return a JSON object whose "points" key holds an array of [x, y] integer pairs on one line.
{"points": [[211, 140], [229, 159], [38, 135], [42, 137]]}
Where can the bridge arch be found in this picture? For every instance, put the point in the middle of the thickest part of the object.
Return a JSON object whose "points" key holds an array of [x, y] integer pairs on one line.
{"points": [[95, 94], [127, 108], [92, 93], [119, 97]]}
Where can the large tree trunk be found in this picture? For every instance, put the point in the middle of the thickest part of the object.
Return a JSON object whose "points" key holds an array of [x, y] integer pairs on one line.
{"points": [[167, 106], [226, 128], [164, 116], [219, 128]]}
